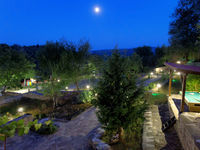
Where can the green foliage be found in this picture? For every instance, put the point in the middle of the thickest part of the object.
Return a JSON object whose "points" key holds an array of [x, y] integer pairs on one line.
{"points": [[183, 28], [160, 53], [193, 83], [75, 63], [135, 63], [119, 100], [9, 130], [156, 98], [150, 86], [146, 55], [86, 96], [47, 128], [13, 66]]}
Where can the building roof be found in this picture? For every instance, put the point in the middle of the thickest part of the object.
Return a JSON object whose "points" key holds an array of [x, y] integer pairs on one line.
{"points": [[188, 69]]}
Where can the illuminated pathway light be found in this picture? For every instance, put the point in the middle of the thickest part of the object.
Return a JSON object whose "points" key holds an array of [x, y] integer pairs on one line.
{"points": [[20, 109]]}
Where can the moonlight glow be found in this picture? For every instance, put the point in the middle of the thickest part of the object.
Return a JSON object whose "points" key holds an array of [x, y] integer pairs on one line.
{"points": [[97, 9]]}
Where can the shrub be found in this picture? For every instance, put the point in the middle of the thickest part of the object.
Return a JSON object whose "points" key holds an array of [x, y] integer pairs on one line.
{"points": [[86, 96], [193, 83], [47, 128]]}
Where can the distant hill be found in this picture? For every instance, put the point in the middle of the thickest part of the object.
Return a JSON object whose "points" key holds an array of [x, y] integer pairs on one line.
{"points": [[108, 52]]}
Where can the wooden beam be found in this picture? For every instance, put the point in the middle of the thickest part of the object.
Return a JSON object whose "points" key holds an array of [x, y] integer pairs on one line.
{"points": [[183, 92], [170, 81]]}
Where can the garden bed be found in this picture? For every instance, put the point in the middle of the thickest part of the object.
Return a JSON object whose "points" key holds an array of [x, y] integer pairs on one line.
{"points": [[68, 106]]}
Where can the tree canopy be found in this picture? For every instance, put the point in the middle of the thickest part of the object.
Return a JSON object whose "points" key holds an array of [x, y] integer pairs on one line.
{"points": [[183, 27]]}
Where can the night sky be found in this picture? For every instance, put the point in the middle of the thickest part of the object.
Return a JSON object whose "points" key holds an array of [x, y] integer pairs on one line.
{"points": [[126, 23]]}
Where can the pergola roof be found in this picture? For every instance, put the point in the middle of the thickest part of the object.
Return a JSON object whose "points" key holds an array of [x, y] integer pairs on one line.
{"points": [[188, 69]]}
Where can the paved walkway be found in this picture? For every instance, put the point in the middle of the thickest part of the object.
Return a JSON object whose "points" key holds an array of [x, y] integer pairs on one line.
{"points": [[70, 136]]}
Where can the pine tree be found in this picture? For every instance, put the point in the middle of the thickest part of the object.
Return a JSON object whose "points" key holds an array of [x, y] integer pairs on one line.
{"points": [[119, 101]]}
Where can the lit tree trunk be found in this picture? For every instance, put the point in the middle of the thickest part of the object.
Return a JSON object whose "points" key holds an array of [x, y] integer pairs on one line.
{"points": [[3, 90], [121, 134], [77, 87], [5, 143]]}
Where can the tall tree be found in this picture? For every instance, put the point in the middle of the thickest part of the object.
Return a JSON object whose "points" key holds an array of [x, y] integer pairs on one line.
{"points": [[119, 100], [146, 55], [50, 66], [183, 28], [13, 67], [75, 61]]}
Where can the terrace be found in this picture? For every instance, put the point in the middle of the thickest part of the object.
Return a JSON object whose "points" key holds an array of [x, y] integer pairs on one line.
{"points": [[185, 108]]}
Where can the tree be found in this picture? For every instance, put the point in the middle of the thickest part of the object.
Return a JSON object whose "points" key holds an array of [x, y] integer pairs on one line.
{"points": [[13, 67], [146, 55], [119, 101], [160, 53], [183, 28], [75, 60], [135, 63], [50, 66]]}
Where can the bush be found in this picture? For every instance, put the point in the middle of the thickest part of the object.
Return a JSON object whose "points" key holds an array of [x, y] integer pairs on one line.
{"points": [[47, 128], [86, 96], [193, 83]]}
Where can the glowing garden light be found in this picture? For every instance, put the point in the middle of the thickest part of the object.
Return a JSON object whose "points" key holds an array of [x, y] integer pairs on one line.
{"points": [[87, 86], [151, 73], [178, 73], [178, 62], [158, 86], [20, 109], [66, 87], [58, 80], [96, 94]]}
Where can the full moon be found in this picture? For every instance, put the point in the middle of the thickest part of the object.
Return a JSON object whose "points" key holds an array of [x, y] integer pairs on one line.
{"points": [[97, 9]]}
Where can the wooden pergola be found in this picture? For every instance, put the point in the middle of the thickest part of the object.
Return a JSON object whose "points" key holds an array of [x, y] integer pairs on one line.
{"points": [[185, 70]]}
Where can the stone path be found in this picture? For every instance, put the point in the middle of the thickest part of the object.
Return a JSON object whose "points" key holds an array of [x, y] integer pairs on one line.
{"points": [[71, 135]]}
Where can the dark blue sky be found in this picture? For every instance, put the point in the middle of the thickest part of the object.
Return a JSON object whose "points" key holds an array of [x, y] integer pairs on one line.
{"points": [[127, 23]]}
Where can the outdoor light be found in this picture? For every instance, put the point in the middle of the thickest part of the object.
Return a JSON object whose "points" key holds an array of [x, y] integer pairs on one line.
{"points": [[87, 86], [96, 94], [158, 85], [20, 109], [66, 87], [178, 62], [178, 73], [157, 69], [151, 73], [58, 80]]}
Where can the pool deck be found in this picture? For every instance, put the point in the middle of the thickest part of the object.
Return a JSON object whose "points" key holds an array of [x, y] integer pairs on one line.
{"points": [[187, 124]]}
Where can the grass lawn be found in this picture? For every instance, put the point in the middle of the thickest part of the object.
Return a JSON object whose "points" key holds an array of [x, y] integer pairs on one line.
{"points": [[160, 97]]}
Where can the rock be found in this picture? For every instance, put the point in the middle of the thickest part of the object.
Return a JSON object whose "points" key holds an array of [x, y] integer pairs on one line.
{"points": [[95, 141]]}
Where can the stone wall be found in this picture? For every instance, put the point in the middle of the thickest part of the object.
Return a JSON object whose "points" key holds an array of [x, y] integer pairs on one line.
{"points": [[187, 127], [153, 138]]}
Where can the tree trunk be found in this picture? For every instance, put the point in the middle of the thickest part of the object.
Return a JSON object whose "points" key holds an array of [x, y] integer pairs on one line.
{"points": [[3, 90], [77, 87], [5, 143], [54, 103], [121, 134]]}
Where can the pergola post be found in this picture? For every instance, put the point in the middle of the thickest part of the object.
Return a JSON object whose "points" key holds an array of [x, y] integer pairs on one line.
{"points": [[170, 81], [183, 92]]}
